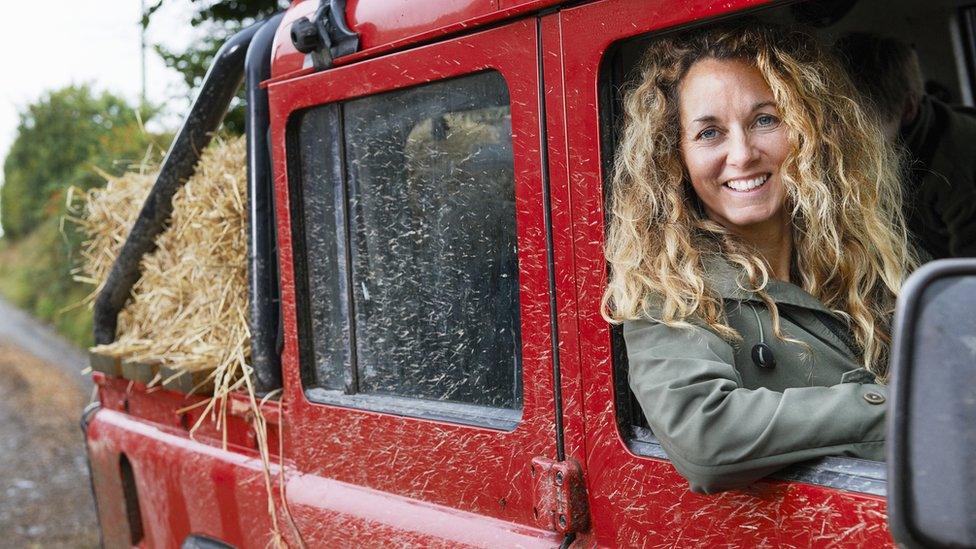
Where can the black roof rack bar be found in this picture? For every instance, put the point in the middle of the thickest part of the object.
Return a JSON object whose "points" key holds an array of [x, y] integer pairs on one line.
{"points": [[219, 86], [266, 332]]}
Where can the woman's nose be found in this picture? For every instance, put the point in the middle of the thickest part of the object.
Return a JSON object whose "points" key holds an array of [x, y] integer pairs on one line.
{"points": [[742, 150]]}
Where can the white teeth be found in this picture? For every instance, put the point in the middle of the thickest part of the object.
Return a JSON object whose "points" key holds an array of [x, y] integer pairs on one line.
{"points": [[747, 184]]}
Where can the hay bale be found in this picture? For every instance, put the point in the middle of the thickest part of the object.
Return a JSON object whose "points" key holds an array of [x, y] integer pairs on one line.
{"points": [[106, 215], [189, 308], [187, 319]]}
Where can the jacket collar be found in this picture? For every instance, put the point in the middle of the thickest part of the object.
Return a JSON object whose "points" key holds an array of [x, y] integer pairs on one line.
{"points": [[728, 280]]}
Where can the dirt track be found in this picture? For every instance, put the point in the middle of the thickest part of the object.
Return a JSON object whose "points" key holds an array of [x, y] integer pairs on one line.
{"points": [[46, 500], [23, 331]]}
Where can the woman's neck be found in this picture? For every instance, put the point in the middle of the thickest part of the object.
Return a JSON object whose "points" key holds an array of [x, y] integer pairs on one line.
{"points": [[773, 240]]}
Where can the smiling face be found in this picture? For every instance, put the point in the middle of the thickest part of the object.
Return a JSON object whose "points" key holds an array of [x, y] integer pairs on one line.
{"points": [[733, 144]]}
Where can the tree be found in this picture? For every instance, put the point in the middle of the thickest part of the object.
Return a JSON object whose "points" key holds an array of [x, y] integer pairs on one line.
{"points": [[220, 20], [62, 140]]}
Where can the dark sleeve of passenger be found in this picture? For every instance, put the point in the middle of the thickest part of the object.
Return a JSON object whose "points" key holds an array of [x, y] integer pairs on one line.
{"points": [[720, 435]]}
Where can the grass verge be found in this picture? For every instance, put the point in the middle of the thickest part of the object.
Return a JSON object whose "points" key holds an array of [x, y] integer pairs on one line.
{"points": [[35, 275]]}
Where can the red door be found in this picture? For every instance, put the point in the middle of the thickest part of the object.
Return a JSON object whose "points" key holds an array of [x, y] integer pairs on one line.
{"points": [[636, 498], [411, 463]]}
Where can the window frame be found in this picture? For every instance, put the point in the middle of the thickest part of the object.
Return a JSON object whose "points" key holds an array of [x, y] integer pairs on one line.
{"points": [[843, 473], [964, 42], [451, 411]]}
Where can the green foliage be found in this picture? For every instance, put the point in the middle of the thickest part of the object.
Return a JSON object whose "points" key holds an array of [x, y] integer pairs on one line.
{"points": [[220, 20], [63, 140], [35, 276]]}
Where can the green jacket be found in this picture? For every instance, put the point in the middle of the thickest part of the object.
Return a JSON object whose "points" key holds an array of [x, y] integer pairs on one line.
{"points": [[726, 422]]}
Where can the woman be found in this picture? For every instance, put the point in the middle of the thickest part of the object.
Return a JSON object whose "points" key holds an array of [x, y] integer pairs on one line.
{"points": [[756, 248]]}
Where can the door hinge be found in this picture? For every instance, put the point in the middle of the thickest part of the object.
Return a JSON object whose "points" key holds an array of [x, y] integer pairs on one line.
{"points": [[559, 495]]}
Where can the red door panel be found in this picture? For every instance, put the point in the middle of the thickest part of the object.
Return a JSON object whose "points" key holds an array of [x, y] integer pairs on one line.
{"points": [[640, 501], [471, 469]]}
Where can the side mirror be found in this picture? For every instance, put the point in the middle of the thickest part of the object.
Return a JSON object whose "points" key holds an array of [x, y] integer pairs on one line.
{"points": [[932, 418]]}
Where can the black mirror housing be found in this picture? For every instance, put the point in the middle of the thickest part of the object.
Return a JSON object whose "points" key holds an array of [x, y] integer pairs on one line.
{"points": [[932, 418]]}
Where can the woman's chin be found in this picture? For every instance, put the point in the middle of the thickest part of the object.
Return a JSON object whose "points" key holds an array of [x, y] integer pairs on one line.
{"points": [[750, 221]]}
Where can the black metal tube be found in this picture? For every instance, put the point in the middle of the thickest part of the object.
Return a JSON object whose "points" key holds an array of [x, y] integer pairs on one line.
{"points": [[262, 259], [219, 86]]}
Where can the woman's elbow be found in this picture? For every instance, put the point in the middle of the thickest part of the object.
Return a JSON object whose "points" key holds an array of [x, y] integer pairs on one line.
{"points": [[705, 480], [710, 473]]}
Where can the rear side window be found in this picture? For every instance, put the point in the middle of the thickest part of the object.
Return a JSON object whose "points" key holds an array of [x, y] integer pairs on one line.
{"points": [[408, 216]]}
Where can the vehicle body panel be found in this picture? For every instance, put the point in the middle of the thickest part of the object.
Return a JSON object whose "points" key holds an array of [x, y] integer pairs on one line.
{"points": [[442, 463], [385, 26], [641, 500], [184, 486], [196, 487]]}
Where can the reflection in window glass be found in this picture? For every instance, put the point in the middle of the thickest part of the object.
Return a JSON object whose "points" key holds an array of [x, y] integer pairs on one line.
{"points": [[434, 274], [420, 184]]}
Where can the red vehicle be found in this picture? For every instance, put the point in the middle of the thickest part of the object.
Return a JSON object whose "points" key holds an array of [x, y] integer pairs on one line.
{"points": [[397, 147]]}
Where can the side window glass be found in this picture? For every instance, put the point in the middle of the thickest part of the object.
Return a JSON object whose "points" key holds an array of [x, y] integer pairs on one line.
{"points": [[425, 200], [320, 166]]}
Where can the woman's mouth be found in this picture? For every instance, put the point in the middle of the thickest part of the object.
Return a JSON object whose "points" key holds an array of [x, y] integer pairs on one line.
{"points": [[746, 185]]}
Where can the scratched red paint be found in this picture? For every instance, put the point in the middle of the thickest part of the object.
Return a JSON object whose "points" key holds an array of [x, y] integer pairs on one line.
{"points": [[355, 477], [386, 26]]}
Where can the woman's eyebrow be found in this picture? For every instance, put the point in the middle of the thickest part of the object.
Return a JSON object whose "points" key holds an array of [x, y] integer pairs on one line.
{"points": [[709, 118]]}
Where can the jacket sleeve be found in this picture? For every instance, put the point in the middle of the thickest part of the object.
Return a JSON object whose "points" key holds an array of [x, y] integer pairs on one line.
{"points": [[720, 435]]}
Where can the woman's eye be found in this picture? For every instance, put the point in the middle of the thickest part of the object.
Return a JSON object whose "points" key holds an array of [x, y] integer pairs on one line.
{"points": [[708, 133], [766, 121]]}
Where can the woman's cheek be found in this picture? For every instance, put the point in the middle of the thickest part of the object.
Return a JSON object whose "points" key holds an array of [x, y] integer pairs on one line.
{"points": [[779, 144], [704, 165]]}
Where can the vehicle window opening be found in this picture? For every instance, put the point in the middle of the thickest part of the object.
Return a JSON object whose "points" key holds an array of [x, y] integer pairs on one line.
{"points": [[408, 220], [941, 58]]}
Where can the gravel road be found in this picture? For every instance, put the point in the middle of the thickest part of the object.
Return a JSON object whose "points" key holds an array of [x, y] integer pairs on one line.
{"points": [[21, 329], [46, 499]]}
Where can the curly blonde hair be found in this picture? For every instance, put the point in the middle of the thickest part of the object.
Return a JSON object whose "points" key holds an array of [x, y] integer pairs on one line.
{"points": [[842, 180]]}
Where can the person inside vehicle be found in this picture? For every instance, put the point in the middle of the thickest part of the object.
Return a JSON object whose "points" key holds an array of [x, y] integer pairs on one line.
{"points": [[756, 247], [939, 142]]}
